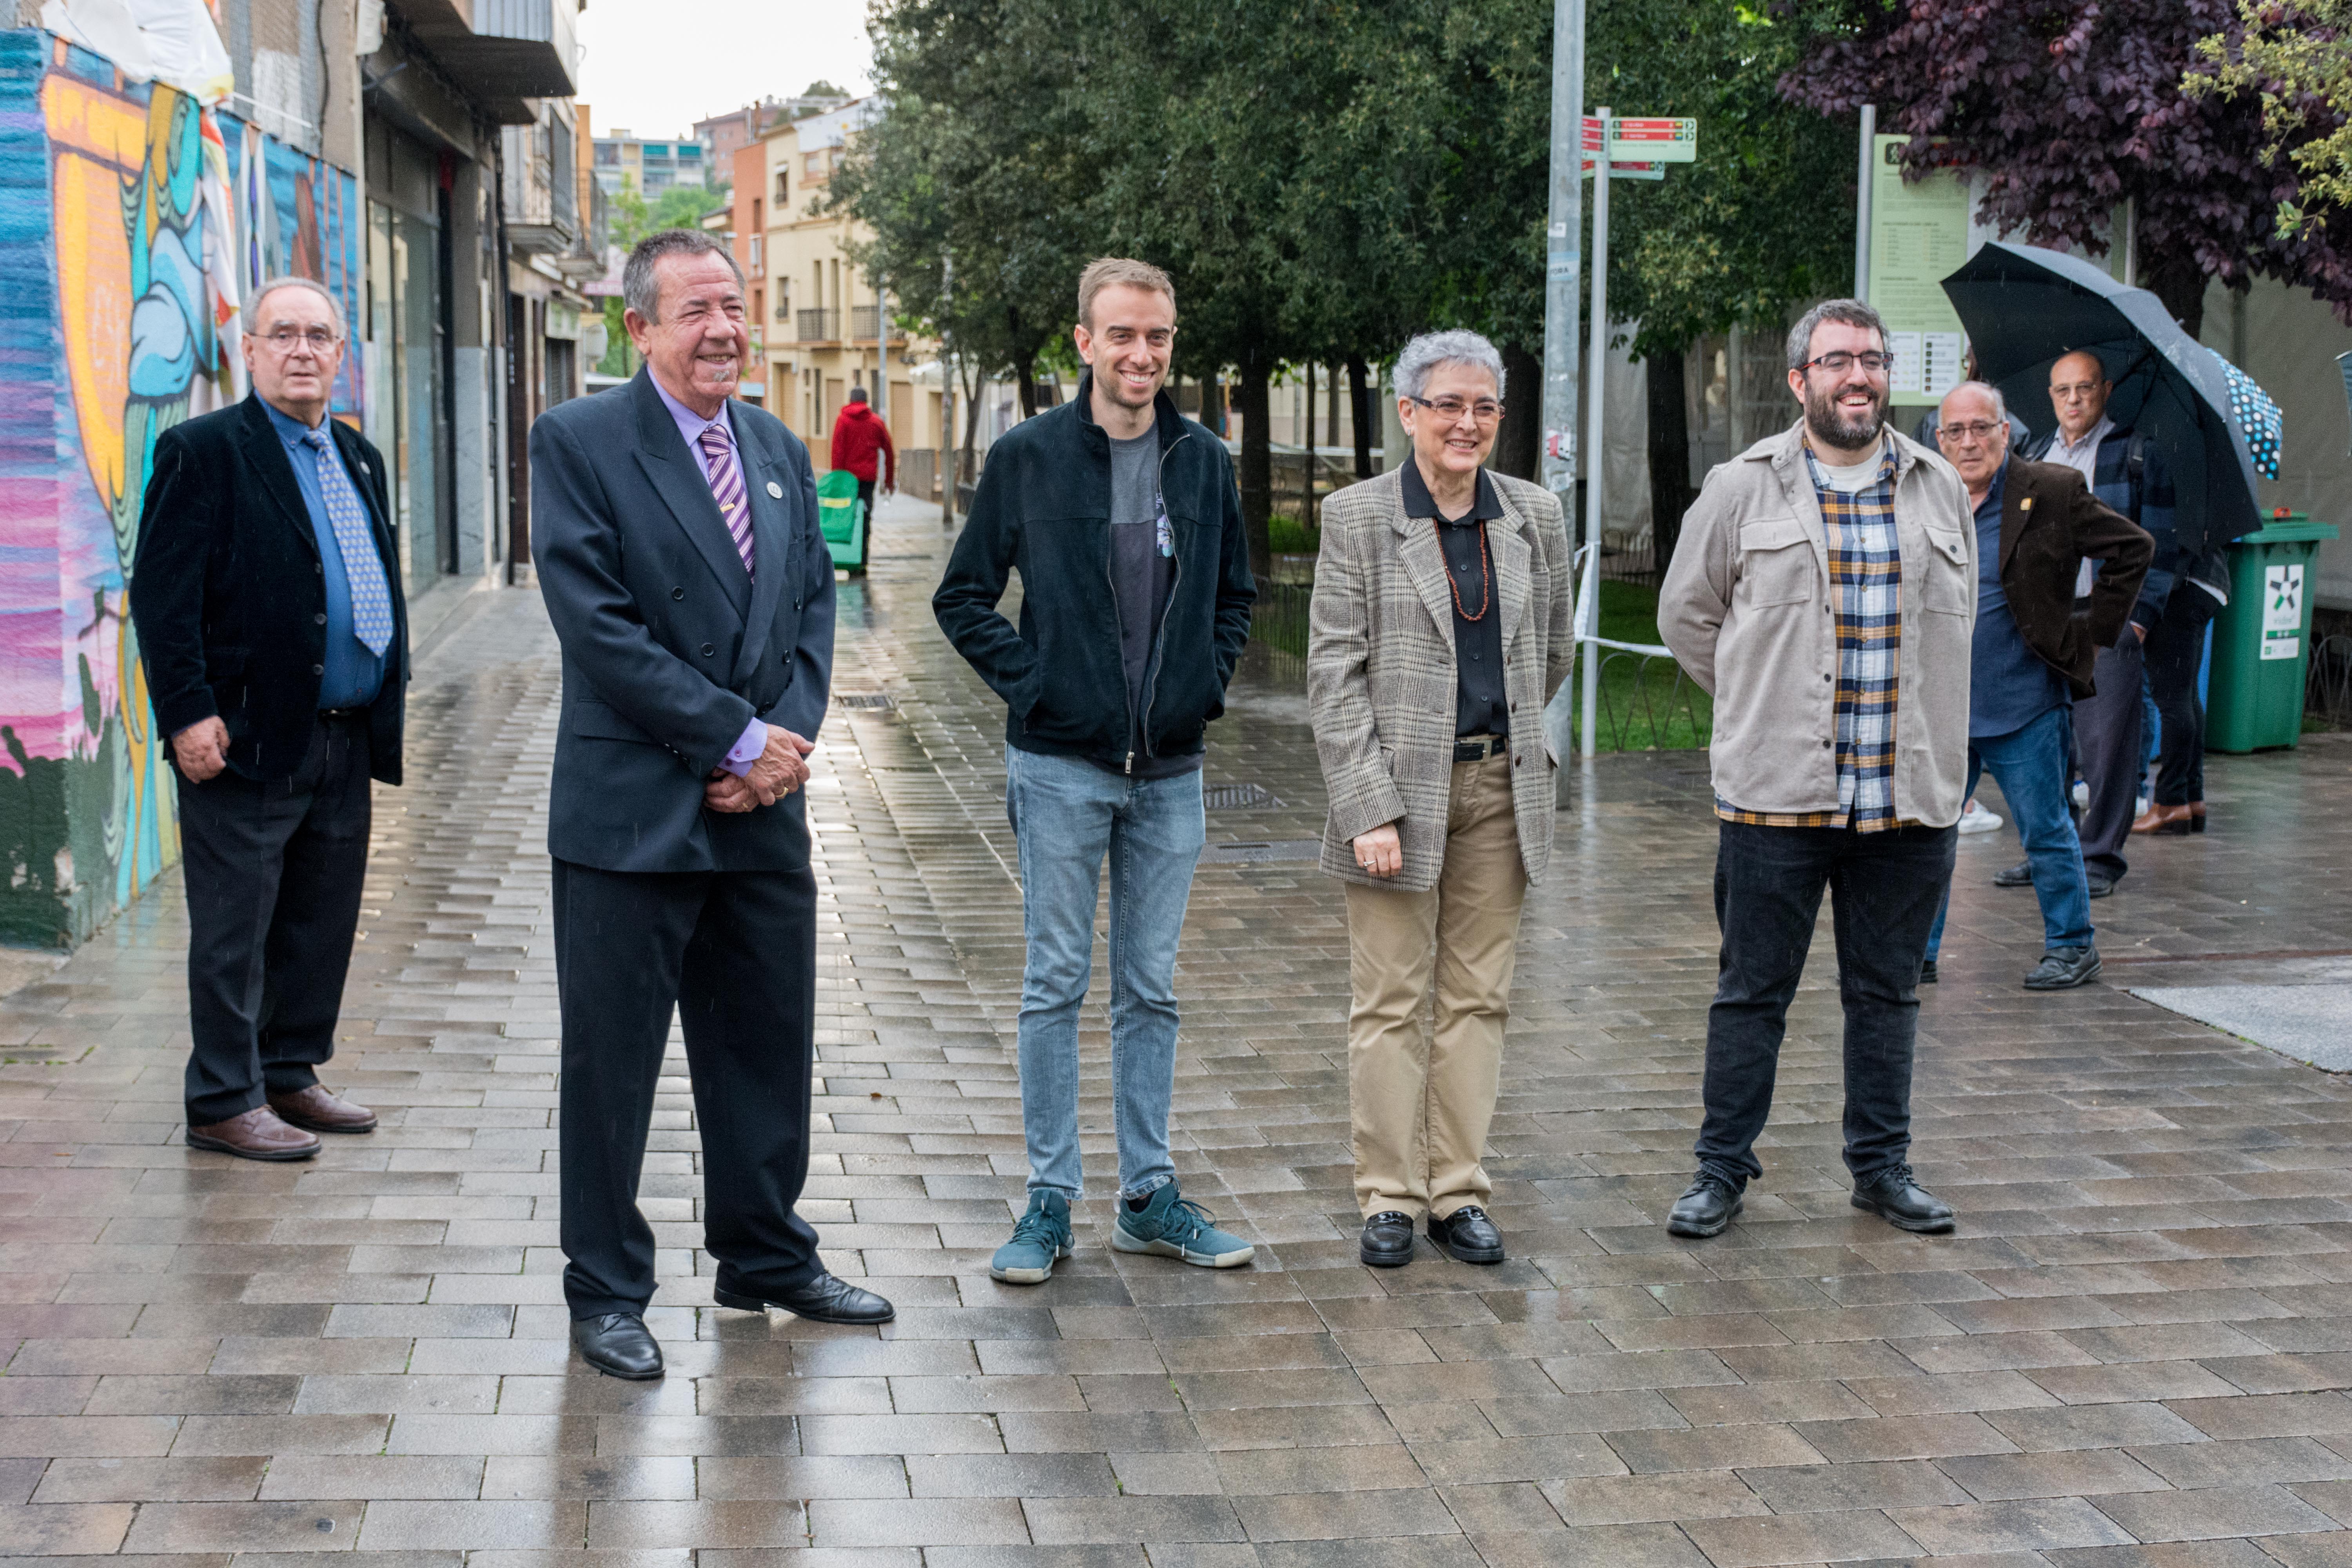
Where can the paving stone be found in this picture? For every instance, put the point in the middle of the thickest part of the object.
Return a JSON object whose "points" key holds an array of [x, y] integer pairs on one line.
{"points": [[2133, 1354]]}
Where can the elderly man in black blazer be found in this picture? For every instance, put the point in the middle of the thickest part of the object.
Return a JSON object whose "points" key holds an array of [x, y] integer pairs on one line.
{"points": [[675, 533], [265, 594]]}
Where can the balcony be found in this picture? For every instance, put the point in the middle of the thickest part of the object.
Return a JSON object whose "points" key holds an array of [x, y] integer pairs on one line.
{"points": [[498, 53], [540, 187], [819, 326], [865, 324]]}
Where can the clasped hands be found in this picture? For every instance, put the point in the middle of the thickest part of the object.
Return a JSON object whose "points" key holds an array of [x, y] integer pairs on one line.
{"points": [[779, 770]]}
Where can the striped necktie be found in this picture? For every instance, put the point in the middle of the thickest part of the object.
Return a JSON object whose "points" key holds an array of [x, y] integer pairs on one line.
{"points": [[362, 567], [726, 477]]}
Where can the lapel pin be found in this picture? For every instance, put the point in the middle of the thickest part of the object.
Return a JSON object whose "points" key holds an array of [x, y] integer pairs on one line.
{"points": [[775, 490]]}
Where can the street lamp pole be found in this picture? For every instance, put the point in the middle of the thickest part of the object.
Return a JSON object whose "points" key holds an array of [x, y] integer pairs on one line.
{"points": [[1562, 269]]}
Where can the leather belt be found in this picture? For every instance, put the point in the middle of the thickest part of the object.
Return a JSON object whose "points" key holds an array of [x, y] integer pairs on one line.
{"points": [[1478, 748]]}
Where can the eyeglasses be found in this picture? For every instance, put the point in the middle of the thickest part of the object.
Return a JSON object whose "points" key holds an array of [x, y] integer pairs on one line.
{"points": [[1451, 409], [1838, 364], [1976, 430], [286, 340]]}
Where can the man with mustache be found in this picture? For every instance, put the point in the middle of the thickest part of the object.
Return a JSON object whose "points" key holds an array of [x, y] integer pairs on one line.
{"points": [[1825, 590]]}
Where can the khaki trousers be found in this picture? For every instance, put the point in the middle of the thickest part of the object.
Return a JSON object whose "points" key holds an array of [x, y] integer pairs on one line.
{"points": [[1421, 1102]]}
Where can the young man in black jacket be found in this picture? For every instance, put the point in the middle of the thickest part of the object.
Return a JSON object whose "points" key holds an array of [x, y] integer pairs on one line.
{"points": [[1123, 521]]}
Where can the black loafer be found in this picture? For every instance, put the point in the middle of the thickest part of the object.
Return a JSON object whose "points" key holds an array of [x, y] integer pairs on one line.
{"points": [[1706, 1205], [1388, 1240], [619, 1345], [2018, 876], [824, 1299], [1467, 1235], [1903, 1203], [2099, 883], [1926, 972], [2064, 968]]}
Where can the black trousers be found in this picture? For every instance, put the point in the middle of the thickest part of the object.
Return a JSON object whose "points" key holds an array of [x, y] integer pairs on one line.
{"points": [[1884, 888], [865, 494], [2110, 742], [273, 874], [733, 955], [2175, 650]]}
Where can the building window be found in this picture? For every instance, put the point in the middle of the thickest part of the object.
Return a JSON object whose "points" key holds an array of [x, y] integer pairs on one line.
{"points": [[608, 155], [783, 187], [755, 253]]}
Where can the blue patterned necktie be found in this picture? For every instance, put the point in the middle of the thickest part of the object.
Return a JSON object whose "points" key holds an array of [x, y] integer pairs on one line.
{"points": [[363, 568]]}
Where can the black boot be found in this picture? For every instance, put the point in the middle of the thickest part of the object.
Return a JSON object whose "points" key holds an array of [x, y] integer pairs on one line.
{"points": [[1706, 1205], [1903, 1203]]}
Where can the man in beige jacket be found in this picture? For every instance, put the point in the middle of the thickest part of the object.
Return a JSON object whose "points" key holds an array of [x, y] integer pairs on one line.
{"points": [[1823, 591]]}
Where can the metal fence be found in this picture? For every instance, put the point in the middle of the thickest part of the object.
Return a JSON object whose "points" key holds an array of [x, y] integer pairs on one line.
{"points": [[2328, 688]]}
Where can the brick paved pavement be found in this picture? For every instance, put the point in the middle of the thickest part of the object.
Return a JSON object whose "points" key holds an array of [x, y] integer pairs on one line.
{"points": [[2135, 1350]]}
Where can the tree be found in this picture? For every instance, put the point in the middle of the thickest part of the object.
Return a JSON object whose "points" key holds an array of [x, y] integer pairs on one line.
{"points": [[821, 88], [2296, 60], [2070, 109], [634, 217]]}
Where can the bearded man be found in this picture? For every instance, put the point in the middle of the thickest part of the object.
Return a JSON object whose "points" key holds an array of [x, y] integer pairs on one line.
{"points": [[1823, 591]]}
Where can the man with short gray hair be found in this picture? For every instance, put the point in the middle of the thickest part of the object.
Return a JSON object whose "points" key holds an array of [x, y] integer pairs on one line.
{"points": [[265, 596], [1822, 590]]}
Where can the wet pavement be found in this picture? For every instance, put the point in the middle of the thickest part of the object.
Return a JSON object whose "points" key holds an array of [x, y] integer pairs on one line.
{"points": [[2135, 1351]]}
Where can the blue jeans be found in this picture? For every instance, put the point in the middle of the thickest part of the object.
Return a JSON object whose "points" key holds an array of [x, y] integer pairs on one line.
{"points": [[2029, 765], [1067, 816]]}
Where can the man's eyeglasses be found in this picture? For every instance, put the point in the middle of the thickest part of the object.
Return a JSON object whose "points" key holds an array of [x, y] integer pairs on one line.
{"points": [[1838, 364], [1451, 409], [286, 340], [1975, 430]]}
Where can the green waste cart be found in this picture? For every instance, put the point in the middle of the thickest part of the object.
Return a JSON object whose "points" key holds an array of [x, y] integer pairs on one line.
{"points": [[841, 517], [2262, 640]]}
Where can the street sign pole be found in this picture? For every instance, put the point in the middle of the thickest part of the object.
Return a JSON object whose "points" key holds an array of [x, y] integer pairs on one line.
{"points": [[1589, 600], [1563, 225], [1862, 204]]}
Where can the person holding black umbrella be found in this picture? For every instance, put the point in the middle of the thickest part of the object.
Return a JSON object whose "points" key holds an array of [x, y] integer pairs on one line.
{"points": [[2126, 472]]}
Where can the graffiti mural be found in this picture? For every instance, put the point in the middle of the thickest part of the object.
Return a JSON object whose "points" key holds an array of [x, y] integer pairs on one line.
{"points": [[138, 220]]}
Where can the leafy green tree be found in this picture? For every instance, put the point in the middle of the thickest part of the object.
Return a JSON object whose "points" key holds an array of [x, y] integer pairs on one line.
{"points": [[2297, 61]]}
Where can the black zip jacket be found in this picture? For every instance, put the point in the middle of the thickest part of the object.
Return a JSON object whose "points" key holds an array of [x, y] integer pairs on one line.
{"points": [[1044, 506]]}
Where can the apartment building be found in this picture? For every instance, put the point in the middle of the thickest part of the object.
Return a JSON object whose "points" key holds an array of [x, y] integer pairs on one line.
{"points": [[821, 322], [625, 160]]}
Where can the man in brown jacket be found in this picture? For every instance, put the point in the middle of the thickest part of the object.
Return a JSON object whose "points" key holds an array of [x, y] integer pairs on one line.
{"points": [[2031, 655]]}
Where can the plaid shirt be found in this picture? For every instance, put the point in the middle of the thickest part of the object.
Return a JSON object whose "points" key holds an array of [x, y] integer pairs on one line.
{"points": [[1866, 595]]}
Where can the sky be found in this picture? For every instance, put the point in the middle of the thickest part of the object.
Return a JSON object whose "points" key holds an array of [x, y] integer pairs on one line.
{"points": [[639, 73]]}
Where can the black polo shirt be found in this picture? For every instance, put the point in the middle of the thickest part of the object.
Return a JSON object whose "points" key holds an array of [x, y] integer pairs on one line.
{"points": [[1480, 707]]}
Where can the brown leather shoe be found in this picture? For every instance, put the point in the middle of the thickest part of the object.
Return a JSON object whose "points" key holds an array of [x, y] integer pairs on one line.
{"points": [[258, 1134], [318, 1109], [2169, 820]]}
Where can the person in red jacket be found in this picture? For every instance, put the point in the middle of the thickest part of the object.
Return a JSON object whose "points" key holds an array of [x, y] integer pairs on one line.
{"points": [[858, 435]]}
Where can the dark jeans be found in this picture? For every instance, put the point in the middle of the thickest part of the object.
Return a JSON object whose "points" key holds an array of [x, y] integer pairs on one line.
{"points": [[2029, 765], [865, 498], [1884, 889], [2107, 742], [733, 955], [273, 874], [2175, 650]]}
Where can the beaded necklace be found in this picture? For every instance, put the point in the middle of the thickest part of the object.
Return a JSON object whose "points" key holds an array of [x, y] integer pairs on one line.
{"points": [[1486, 577]]}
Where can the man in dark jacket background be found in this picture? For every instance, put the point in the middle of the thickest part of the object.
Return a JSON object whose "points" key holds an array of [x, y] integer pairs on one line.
{"points": [[1123, 521], [2031, 655], [861, 443], [266, 592]]}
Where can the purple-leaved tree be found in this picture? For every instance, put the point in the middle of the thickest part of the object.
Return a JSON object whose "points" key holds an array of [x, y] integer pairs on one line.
{"points": [[2071, 107]]}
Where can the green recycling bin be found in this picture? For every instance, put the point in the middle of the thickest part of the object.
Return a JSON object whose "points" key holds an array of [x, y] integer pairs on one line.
{"points": [[841, 517], [2262, 640]]}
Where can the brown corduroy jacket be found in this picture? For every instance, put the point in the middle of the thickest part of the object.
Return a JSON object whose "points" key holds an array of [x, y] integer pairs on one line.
{"points": [[2049, 523]]}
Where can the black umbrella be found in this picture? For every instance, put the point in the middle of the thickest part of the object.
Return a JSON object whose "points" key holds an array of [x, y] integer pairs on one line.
{"points": [[2024, 307]]}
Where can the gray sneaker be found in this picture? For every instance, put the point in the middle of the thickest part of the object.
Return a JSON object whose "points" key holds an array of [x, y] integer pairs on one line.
{"points": [[2064, 968], [1041, 1240], [1173, 1228]]}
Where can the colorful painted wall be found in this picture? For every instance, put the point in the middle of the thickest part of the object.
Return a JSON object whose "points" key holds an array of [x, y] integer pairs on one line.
{"points": [[132, 221]]}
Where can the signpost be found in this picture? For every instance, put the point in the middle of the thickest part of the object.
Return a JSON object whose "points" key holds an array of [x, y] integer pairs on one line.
{"points": [[1563, 224], [1918, 233]]}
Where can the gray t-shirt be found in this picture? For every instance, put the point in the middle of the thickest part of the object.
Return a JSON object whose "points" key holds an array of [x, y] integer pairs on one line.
{"points": [[1142, 573]]}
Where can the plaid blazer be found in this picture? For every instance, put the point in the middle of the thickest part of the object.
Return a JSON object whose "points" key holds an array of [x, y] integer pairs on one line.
{"points": [[1381, 679]]}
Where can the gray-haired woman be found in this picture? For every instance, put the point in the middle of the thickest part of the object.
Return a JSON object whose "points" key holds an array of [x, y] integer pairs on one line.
{"points": [[1438, 630]]}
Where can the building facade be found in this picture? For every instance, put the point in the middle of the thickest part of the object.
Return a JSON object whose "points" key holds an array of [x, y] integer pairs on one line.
{"points": [[357, 145], [625, 162], [821, 324]]}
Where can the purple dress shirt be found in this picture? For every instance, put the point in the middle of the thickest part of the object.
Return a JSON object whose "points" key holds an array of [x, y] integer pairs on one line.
{"points": [[690, 424]]}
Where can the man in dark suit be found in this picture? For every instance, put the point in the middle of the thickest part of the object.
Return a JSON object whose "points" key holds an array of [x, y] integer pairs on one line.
{"points": [[676, 533], [266, 594], [2032, 656]]}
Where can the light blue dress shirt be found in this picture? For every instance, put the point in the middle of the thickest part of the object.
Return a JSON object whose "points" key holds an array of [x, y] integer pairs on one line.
{"points": [[690, 426], [354, 674]]}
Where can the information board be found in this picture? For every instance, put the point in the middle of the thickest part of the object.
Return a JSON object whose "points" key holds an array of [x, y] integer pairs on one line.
{"points": [[1918, 236]]}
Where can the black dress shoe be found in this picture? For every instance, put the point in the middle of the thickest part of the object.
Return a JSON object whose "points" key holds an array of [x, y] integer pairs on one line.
{"points": [[1926, 972], [2018, 876], [1467, 1235], [1706, 1205], [2064, 968], [618, 1343], [824, 1299], [1388, 1240], [2099, 882], [1903, 1203]]}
